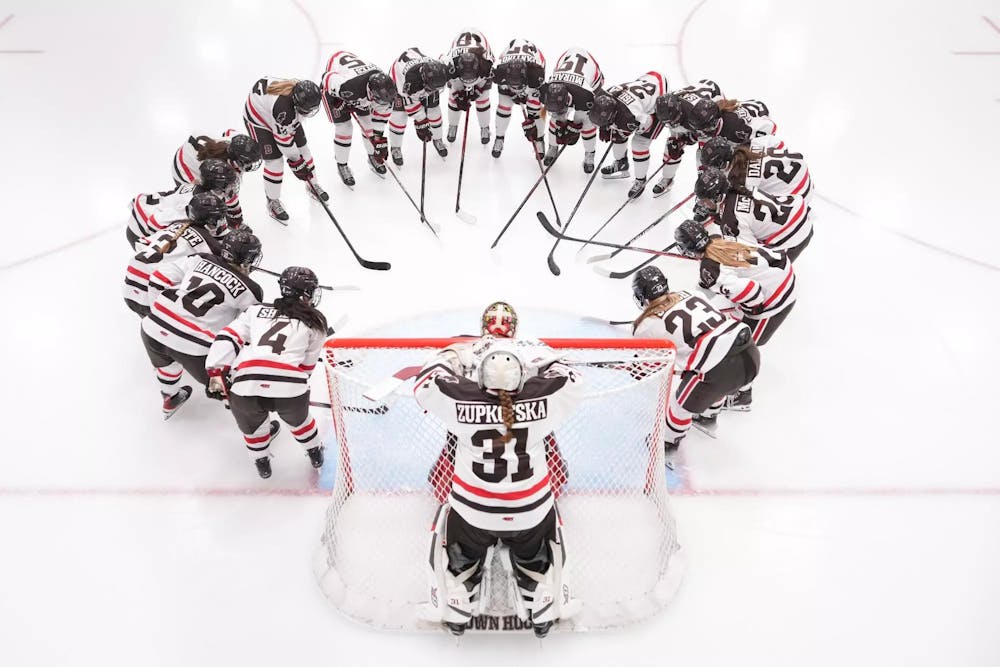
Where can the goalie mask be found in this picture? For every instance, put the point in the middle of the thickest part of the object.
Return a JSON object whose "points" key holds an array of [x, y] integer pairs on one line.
{"points": [[501, 370], [499, 319]]}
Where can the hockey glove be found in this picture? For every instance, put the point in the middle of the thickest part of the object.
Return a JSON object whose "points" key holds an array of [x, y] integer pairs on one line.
{"points": [[674, 149], [570, 134], [702, 212], [423, 128], [302, 169], [217, 388], [530, 129], [709, 273], [463, 99], [381, 147], [604, 134]]}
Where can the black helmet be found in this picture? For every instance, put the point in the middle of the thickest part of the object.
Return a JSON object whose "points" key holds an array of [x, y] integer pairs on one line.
{"points": [[711, 184], [297, 282], [218, 176], [703, 115], [206, 209], [244, 152], [557, 98], [649, 284], [434, 75], [668, 109], [241, 247], [306, 98], [381, 89], [691, 237], [466, 67], [603, 110], [513, 74], [717, 152]]}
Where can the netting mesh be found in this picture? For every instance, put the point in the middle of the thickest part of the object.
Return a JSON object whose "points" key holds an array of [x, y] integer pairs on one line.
{"points": [[394, 469]]}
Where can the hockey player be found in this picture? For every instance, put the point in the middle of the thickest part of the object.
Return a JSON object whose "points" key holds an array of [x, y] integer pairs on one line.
{"points": [[777, 223], [501, 490], [354, 87], [262, 361], [519, 74], [629, 110], [715, 354], [759, 282], [736, 121], [765, 164], [190, 301], [273, 115], [205, 224], [571, 87], [470, 64], [152, 213], [419, 80], [239, 151], [670, 110]]}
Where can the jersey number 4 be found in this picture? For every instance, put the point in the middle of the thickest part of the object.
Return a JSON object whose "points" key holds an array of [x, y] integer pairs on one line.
{"points": [[496, 454], [273, 339]]}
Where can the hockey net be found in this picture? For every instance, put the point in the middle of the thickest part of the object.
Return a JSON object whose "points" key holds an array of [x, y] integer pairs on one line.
{"points": [[623, 561]]}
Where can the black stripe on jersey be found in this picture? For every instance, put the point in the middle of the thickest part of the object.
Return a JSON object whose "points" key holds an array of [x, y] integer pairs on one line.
{"points": [[756, 294], [789, 234], [466, 614], [226, 337], [427, 371], [715, 335], [177, 332], [262, 377], [677, 431], [789, 290], [138, 286], [490, 509]]}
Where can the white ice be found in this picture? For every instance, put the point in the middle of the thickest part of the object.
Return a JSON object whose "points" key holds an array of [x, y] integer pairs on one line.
{"points": [[853, 517]]}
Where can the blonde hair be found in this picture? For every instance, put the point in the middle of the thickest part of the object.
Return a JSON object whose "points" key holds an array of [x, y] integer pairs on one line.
{"points": [[728, 105], [657, 307], [731, 253], [210, 148], [283, 87], [507, 410]]}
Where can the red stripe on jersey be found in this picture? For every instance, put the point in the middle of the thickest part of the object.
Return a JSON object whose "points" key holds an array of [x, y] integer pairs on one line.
{"points": [[413, 109], [533, 103], [687, 390], [802, 183], [174, 316], [659, 77], [305, 429], [187, 172], [781, 288], [597, 68], [639, 153], [162, 278], [307, 368], [781, 144], [256, 441], [256, 114], [759, 329], [774, 130], [152, 221], [510, 495], [789, 224], [680, 422], [265, 363], [138, 208], [746, 290], [381, 115], [329, 63], [694, 352], [503, 108], [234, 335], [137, 272]]}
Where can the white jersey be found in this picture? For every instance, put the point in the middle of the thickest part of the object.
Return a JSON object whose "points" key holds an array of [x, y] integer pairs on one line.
{"points": [[194, 298], [702, 335], [578, 67], [275, 113], [407, 77], [779, 223], [638, 98], [777, 171], [471, 40], [170, 245], [758, 291], [500, 486], [346, 78], [186, 162], [271, 355], [153, 213]]}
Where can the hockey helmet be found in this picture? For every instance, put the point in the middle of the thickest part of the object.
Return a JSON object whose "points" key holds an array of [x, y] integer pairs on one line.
{"points": [[501, 370], [717, 152], [702, 116], [499, 319], [300, 282], [711, 184], [602, 113], [513, 74], [306, 98], [381, 89], [244, 152], [434, 75], [668, 109], [206, 209], [649, 284], [219, 177], [557, 98], [242, 248], [466, 67], [691, 237]]}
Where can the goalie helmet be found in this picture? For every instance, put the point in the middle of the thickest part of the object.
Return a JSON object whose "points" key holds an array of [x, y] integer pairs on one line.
{"points": [[668, 109], [499, 319], [717, 152], [691, 237], [217, 176], [206, 209], [557, 98], [306, 98], [501, 370], [434, 75], [703, 116], [466, 67], [299, 282], [513, 74], [241, 248], [381, 89], [244, 152], [649, 284], [603, 110], [711, 184]]}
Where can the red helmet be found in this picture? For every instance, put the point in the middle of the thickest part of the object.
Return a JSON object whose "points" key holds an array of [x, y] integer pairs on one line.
{"points": [[499, 319]]}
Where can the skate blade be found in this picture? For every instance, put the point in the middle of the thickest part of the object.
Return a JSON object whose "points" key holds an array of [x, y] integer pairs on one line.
{"points": [[283, 223], [657, 195], [615, 176], [707, 430], [737, 408]]}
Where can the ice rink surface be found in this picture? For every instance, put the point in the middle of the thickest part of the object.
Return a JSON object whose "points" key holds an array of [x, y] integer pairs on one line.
{"points": [[852, 518]]}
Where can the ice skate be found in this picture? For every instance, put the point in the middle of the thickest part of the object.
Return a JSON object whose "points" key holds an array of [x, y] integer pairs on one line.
{"points": [[277, 211], [346, 175], [497, 147], [663, 187], [173, 402], [619, 169], [588, 162]]}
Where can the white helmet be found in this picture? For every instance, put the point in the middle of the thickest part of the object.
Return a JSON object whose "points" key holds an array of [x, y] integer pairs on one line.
{"points": [[501, 369]]}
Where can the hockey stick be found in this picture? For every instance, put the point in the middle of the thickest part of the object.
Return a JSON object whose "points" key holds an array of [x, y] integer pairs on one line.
{"points": [[464, 216], [553, 267], [331, 288], [380, 410], [434, 228], [601, 258], [538, 161], [366, 263], [423, 180], [628, 200], [562, 236], [534, 187]]}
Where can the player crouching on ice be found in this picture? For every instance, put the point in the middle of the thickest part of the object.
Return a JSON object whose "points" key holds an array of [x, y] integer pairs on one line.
{"points": [[501, 490]]}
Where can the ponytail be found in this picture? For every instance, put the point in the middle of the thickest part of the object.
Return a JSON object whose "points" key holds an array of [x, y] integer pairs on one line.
{"points": [[738, 168], [209, 148], [298, 309], [656, 307], [507, 410], [728, 105], [283, 87], [731, 253]]}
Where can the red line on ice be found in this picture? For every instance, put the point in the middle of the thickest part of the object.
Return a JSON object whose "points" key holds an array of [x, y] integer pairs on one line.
{"points": [[985, 18]]}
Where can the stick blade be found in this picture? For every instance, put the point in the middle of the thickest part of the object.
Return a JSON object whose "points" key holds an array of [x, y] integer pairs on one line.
{"points": [[547, 226], [598, 258], [381, 389], [466, 217], [375, 266]]}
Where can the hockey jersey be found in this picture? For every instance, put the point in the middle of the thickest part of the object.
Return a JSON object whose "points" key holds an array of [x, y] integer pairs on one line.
{"points": [[471, 41], [702, 335], [409, 81], [152, 213], [581, 73], [194, 298], [271, 355], [172, 244], [748, 120], [346, 79], [500, 486], [274, 113], [777, 171], [637, 102], [187, 166], [758, 291], [779, 223], [522, 49]]}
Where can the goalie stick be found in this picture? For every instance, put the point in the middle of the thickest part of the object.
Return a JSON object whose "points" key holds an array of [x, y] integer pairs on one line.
{"points": [[331, 288], [553, 267], [601, 258], [366, 263]]}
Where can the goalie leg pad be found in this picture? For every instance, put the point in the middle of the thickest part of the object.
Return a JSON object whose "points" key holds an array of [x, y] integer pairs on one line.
{"points": [[537, 556], [458, 554]]}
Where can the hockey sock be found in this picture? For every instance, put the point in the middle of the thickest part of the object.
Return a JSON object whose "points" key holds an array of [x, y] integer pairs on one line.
{"points": [[273, 172], [342, 141], [169, 378], [258, 441], [305, 433]]}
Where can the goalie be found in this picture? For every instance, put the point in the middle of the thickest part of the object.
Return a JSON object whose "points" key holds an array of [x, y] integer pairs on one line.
{"points": [[501, 489]]}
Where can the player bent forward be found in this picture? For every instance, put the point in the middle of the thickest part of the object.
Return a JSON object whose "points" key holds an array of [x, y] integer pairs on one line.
{"points": [[501, 488]]}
